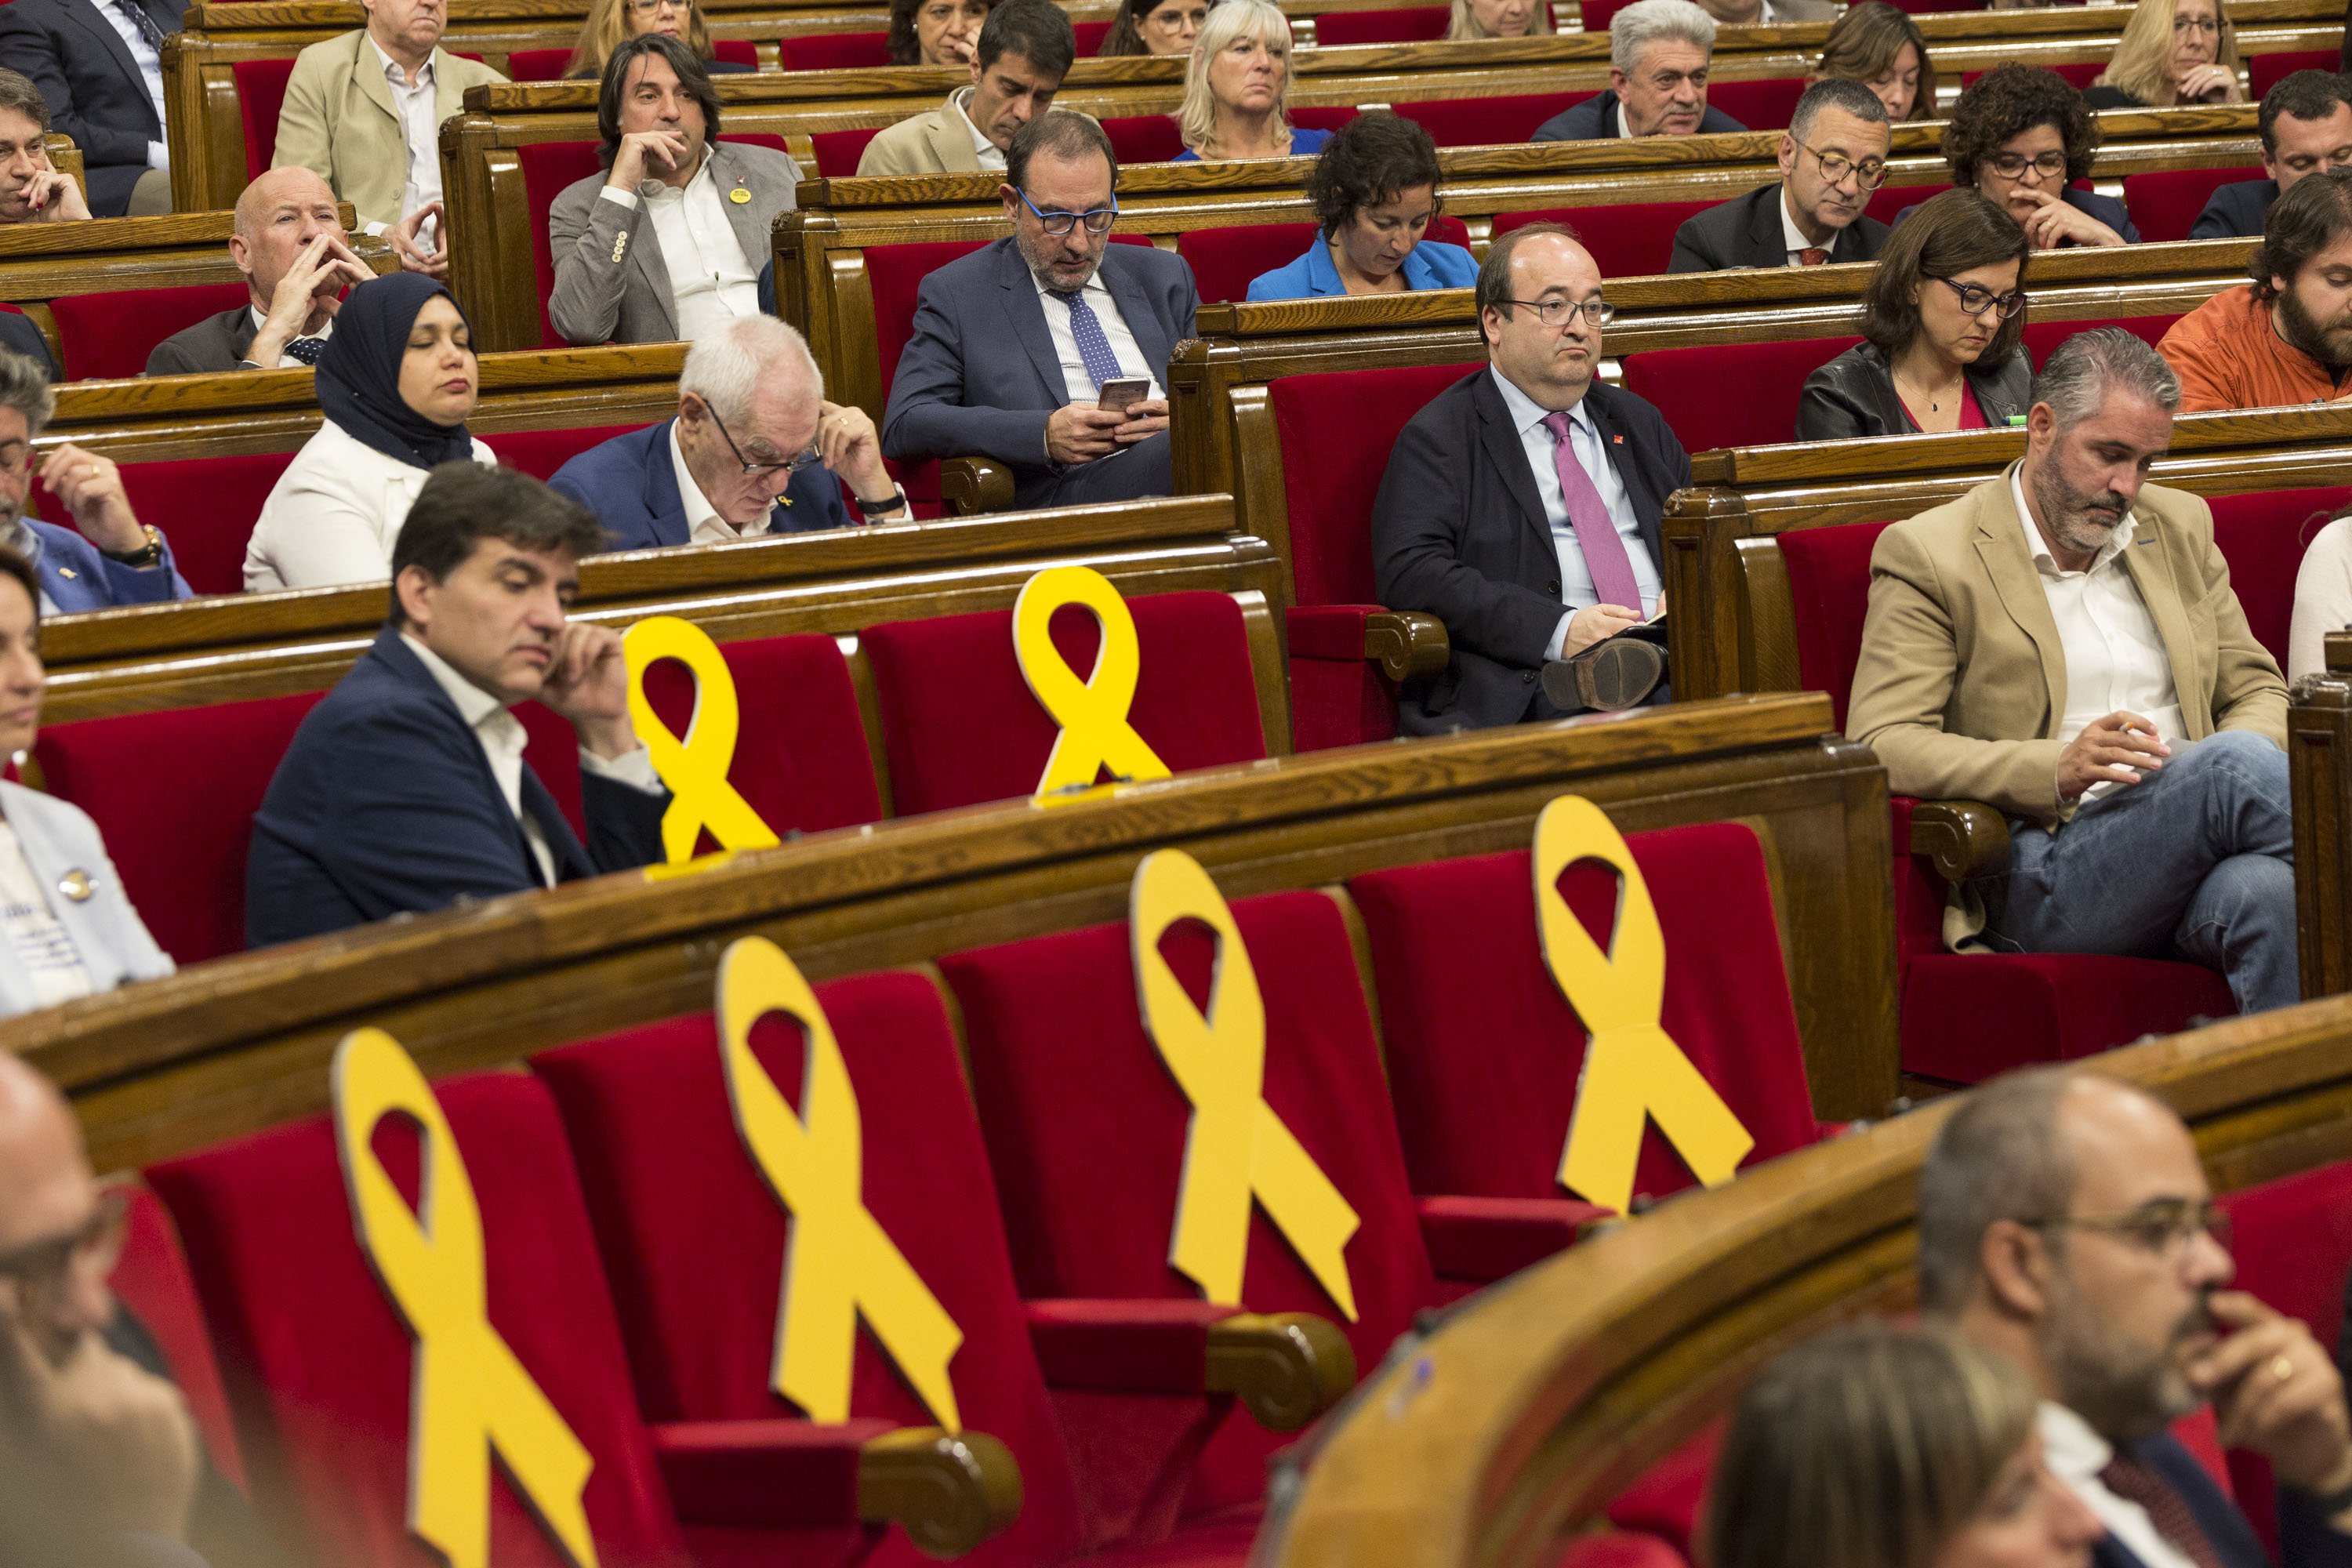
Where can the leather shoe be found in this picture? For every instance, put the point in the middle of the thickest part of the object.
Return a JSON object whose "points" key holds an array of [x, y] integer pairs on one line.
{"points": [[1619, 673]]}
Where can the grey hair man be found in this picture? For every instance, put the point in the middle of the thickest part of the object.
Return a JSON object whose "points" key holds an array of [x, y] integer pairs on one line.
{"points": [[753, 449], [288, 241], [2066, 1223], [1659, 54], [2062, 643], [109, 557], [1833, 156]]}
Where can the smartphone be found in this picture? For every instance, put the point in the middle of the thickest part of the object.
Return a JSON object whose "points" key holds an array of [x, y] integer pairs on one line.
{"points": [[1117, 394]]}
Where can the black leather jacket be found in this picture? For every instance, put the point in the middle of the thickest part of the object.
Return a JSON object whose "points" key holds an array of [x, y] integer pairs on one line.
{"points": [[1854, 395]]}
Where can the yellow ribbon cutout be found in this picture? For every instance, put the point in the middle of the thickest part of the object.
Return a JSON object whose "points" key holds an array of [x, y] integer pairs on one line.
{"points": [[695, 768], [468, 1393], [1632, 1069], [1092, 712], [840, 1262], [1236, 1146]]}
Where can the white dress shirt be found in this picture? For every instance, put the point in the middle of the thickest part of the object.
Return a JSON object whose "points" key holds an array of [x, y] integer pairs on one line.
{"points": [[2115, 660], [1794, 237], [2323, 599], [710, 283], [421, 134], [287, 360], [703, 523], [334, 514], [2077, 1455], [991, 157], [1576, 589], [503, 738], [1077, 386], [44, 949], [151, 68]]}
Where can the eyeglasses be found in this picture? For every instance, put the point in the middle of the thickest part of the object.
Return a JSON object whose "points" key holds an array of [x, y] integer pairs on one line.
{"points": [[1835, 166], [1057, 224], [95, 1246], [1555, 313], [647, 8], [2010, 165], [2166, 1227], [2211, 25], [1976, 299], [752, 470]]}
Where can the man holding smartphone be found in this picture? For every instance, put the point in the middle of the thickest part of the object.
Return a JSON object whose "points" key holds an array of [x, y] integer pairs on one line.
{"points": [[1045, 349]]}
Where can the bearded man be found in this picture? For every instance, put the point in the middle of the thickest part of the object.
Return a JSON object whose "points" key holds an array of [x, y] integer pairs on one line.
{"points": [[2285, 338], [2062, 643]]}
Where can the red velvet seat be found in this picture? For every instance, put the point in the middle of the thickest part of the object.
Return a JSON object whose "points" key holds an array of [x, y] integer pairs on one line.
{"points": [[1321, 116], [153, 1283], [1402, 24], [2042, 337], [1762, 105], [537, 65], [2164, 203], [2262, 535], [1686, 385], [181, 850], [1505, 121], [1635, 239], [1965, 1017], [1224, 261], [1089, 36], [1337, 697], [260, 97], [960, 726], [540, 453], [105, 336], [833, 52], [2264, 72], [2080, 74], [1143, 138], [1596, 14], [837, 152], [1483, 1055], [208, 540]]}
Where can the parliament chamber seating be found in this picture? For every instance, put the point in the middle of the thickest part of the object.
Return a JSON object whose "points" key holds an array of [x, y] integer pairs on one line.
{"points": [[2266, 71], [260, 90], [152, 1280], [547, 65], [2164, 203], [1634, 240], [1488, 121], [837, 152], [1687, 386], [208, 540], [1396, 24], [1224, 261], [1759, 105], [109, 336], [832, 51], [2079, 74]]}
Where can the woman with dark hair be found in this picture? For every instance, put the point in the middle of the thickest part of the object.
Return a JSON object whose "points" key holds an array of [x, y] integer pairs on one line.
{"points": [[936, 32], [2021, 136], [1942, 318], [397, 383], [1882, 49], [611, 22], [1375, 191], [1155, 27]]}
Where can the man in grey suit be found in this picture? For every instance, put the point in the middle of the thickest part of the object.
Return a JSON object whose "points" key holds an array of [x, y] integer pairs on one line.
{"points": [[669, 243], [290, 243], [1015, 346], [1833, 156]]}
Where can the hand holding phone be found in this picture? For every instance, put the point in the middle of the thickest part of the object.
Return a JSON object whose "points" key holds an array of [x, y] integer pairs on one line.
{"points": [[1117, 394]]}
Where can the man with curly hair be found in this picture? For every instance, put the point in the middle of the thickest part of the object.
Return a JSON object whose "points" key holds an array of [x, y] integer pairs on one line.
{"points": [[2023, 136], [2285, 338]]}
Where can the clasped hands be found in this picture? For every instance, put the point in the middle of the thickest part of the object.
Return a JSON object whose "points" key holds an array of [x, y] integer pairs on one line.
{"points": [[1080, 432]]}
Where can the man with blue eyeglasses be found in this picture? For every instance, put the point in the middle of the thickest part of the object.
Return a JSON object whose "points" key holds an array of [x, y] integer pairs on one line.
{"points": [[1045, 351]]}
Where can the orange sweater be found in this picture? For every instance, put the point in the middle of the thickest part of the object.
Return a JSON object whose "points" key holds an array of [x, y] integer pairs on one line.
{"points": [[2229, 356]]}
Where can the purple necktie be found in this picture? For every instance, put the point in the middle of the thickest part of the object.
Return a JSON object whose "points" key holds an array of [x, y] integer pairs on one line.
{"points": [[1604, 552]]}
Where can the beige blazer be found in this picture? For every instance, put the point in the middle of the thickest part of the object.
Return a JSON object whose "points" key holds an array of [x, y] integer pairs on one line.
{"points": [[1962, 683], [936, 142], [339, 119]]}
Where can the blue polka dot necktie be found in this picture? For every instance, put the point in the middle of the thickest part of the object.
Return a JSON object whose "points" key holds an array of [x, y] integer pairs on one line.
{"points": [[1094, 348], [150, 31], [307, 349]]}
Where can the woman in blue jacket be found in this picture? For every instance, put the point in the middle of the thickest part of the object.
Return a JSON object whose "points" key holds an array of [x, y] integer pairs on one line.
{"points": [[1375, 193]]}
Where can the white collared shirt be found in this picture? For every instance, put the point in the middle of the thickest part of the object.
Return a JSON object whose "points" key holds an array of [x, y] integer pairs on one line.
{"points": [[422, 137], [2114, 659], [710, 283], [1576, 589], [151, 68], [503, 738], [991, 157], [287, 360], [2077, 1455], [703, 523], [1077, 386]]}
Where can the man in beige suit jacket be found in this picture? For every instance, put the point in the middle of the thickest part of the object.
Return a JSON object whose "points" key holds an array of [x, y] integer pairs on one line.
{"points": [[378, 145], [1026, 49], [2062, 643]]}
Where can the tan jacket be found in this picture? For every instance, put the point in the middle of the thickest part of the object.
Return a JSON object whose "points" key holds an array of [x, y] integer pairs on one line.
{"points": [[1962, 681], [938, 142], [339, 119]]}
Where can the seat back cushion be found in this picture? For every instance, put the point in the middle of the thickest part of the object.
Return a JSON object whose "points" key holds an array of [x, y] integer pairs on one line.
{"points": [[1829, 588], [1507, 120], [1484, 1053], [260, 99], [960, 725], [2262, 535], [740, 52], [833, 52], [318, 1361], [2164, 203], [695, 1240], [1225, 260], [153, 1283], [1765, 104], [1350, 420], [2040, 337], [1400, 24], [106, 336], [537, 65], [540, 453], [2264, 72], [180, 851], [1634, 240], [1321, 116], [547, 168], [209, 540], [895, 274], [2080, 74], [1686, 385], [837, 152], [1143, 138]]}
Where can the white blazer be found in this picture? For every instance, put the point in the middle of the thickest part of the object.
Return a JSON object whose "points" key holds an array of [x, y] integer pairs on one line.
{"points": [[59, 839], [334, 514]]}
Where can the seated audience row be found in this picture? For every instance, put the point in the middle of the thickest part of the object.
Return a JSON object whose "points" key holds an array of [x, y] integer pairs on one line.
{"points": [[610, 22], [1833, 156], [2305, 126], [1660, 54], [99, 70], [2171, 52], [2284, 337], [1374, 188], [1883, 49]]}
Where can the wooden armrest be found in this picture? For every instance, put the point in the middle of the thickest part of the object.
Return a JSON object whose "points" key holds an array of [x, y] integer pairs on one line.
{"points": [[1406, 643], [1287, 1368], [1965, 838], [975, 484], [950, 1491]]}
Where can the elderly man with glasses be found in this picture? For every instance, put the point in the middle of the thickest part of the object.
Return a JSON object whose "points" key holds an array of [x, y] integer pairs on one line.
{"points": [[1521, 508], [1045, 351], [1833, 157], [754, 448]]}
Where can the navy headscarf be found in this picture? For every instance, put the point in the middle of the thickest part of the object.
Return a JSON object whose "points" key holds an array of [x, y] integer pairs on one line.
{"points": [[359, 374]]}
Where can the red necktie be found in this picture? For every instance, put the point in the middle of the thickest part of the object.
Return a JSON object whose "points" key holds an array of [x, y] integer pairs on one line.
{"points": [[1812, 256], [2134, 1481], [1604, 552]]}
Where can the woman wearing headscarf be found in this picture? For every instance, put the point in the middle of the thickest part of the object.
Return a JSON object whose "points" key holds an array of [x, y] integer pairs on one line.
{"points": [[397, 383]]}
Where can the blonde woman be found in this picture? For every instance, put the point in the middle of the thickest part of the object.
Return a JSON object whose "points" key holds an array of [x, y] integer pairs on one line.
{"points": [[1498, 19], [610, 21], [1236, 85], [2172, 52], [1882, 49]]}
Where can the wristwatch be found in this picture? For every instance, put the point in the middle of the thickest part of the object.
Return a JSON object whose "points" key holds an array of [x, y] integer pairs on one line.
{"points": [[147, 555], [877, 508]]}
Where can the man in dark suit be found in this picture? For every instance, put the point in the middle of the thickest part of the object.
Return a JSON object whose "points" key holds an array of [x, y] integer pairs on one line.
{"points": [[1832, 156], [1014, 345], [755, 449], [2305, 124], [100, 64], [406, 787], [290, 243], [1659, 55], [1521, 506], [2065, 1222]]}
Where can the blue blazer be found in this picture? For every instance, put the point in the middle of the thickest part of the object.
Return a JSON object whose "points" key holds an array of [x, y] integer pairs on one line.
{"points": [[2305, 1539], [59, 837], [2235, 211], [1432, 264], [1304, 144], [980, 376], [385, 802], [77, 577], [631, 485], [2106, 209]]}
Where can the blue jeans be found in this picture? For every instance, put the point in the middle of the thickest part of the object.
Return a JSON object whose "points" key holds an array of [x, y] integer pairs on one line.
{"points": [[2195, 861]]}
